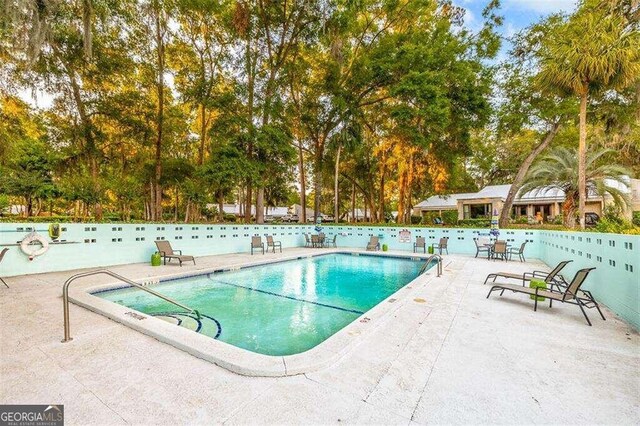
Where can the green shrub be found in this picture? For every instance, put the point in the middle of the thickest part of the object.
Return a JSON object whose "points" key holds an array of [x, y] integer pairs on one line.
{"points": [[229, 217], [614, 225], [521, 220], [415, 220], [636, 218], [475, 223], [41, 219], [449, 217]]}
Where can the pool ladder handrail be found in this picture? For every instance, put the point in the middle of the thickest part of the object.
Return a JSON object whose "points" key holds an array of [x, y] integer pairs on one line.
{"points": [[425, 267], [65, 296]]}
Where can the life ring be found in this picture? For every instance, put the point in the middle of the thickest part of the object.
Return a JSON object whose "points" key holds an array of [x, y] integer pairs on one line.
{"points": [[29, 249]]}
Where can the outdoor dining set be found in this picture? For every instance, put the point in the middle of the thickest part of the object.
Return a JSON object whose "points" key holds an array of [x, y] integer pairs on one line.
{"points": [[319, 240], [499, 249]]}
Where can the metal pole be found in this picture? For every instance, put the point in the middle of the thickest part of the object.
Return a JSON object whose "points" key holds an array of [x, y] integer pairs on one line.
{"points": [[65, 306], [65, 296]]}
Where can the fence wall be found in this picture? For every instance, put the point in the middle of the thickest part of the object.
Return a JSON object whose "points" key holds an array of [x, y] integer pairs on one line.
{"points": [[615, 282], [616, 279]]}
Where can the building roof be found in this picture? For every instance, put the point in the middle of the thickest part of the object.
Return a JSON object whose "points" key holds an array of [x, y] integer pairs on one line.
{"points": [[441, 202], [544, 194], [491, 191]]}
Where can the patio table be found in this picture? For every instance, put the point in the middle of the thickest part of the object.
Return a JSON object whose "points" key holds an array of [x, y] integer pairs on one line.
{"points": [[317, 241]]}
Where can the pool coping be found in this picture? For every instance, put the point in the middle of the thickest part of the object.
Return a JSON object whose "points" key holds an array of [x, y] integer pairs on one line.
{"points": [[242, 361]]}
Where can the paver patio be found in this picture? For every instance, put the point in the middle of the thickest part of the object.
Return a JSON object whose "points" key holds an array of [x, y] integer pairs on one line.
{"points": [[457, 357]]}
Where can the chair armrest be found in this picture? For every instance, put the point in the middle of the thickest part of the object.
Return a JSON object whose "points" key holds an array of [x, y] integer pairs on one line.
{"points": [[178, 251], [163, 254]]}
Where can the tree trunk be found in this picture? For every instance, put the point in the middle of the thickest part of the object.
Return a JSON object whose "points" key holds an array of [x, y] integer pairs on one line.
{"points": [[28, 206], [582, 153], [249, 63], [381, 194], [569, 211], [522, 172], [203, 134], [401, 197], [336, 210], [87, 36], [303, 186], [353, 203], [317, 182], [87, 131], [220, 206], [260, 205], [176, 205], [160, 115]]}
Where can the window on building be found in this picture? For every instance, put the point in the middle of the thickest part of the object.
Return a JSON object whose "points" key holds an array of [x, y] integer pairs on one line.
{"points": [[519, 211], [476, 211]]}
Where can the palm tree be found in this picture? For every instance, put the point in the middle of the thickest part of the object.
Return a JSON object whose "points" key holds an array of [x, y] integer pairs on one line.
{"points": [[558, 170], [596, 49]]}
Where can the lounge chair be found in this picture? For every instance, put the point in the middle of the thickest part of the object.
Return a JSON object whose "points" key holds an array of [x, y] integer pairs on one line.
{"points": [[373, 243], [420, 244], [570, 294], [550, 278], [482, 246], [164, 247], [273, 244], [499, 250], [442, 245], [519, 252], [256, 243], [2, 253]]}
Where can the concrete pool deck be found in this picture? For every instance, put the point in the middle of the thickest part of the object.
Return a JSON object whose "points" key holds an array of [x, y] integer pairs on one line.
{"points": [[455, 357]]}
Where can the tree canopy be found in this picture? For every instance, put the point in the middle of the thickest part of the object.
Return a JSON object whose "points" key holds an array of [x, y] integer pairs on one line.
{"points": [[168, 109]]}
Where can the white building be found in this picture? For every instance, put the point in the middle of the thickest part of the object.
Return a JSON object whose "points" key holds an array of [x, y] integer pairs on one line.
{"points": [[547, 201]]}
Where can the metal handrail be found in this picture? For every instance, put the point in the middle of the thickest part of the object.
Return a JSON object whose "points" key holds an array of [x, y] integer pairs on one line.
{"points": [[65, 296], [439, 264]]}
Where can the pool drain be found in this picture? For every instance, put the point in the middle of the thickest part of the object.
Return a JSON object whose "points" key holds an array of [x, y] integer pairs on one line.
{"points": [[204, 325]]}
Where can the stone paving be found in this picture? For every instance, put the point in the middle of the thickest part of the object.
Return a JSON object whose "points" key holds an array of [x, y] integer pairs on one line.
{"points": [[457, 358]]}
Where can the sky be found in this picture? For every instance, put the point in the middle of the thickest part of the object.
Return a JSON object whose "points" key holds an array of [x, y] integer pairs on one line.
{"points": [[518, 14]]}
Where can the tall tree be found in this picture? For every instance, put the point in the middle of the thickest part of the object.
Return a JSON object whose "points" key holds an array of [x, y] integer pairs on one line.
{"points": [[593, 50], [558, 169]]}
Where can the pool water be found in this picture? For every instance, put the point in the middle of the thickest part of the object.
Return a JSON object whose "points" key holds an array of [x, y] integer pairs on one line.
{"points": [[277, 309]]}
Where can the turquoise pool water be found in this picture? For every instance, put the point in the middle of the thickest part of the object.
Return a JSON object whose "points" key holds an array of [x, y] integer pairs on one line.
{"points": [[277, 309]]}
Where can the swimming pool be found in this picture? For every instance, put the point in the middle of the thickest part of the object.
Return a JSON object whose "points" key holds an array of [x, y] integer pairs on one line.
{"points": [[282, 308]]}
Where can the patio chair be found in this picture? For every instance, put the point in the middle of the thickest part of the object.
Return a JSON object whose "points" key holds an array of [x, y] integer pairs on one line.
{"points": [[499, 250], [332, 242], [307, 240], [256, 243], [550, 278], [570, 294], [481, 246], [519, 252], [2, 253], [442, 245], [420, 244], [373, 243], [164, 247], [273, 244]]}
